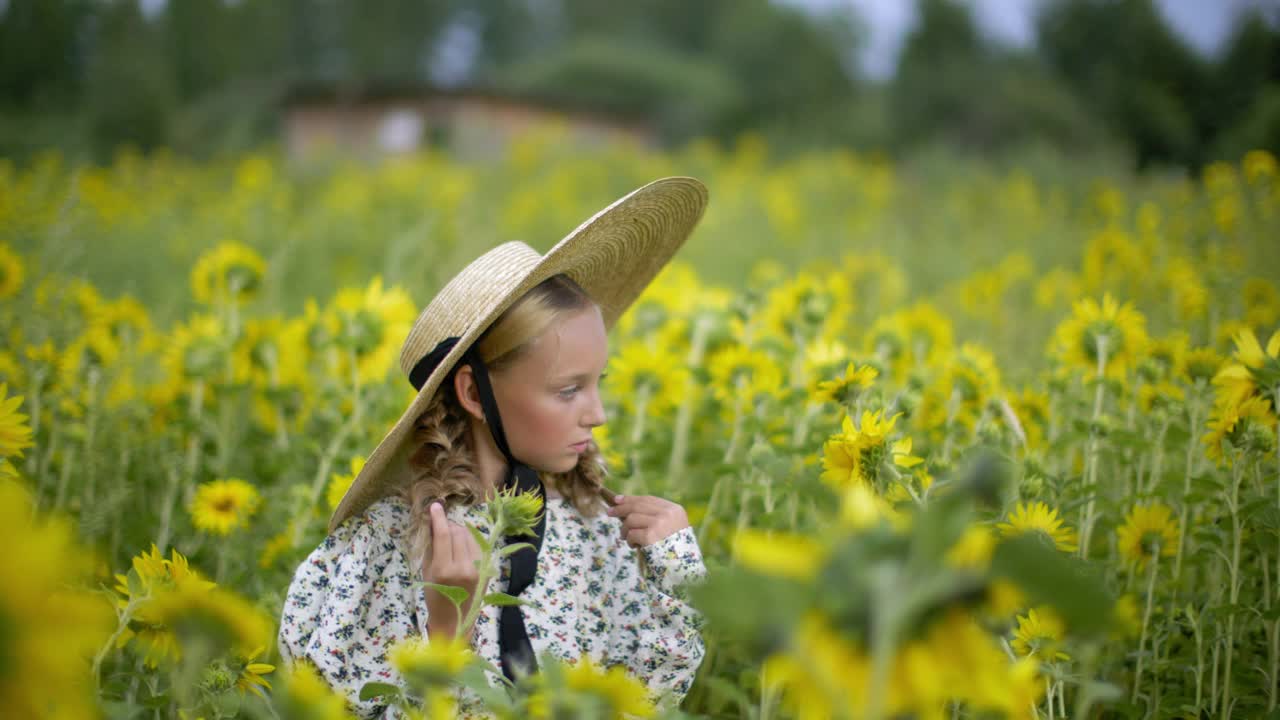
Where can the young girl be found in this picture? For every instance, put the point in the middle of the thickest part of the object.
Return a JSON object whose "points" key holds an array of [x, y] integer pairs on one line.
{"points": [[507, 361]]}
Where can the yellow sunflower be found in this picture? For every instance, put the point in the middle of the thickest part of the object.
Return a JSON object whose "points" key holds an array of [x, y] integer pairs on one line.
{"points": [[212, 613], [654, 373], [339, 483], [973, 549], [369, 324], [845, 388], [855, 454], [1039, 634], [250, 679], [776, 553], [304, 693], [427, 663], [1109, 331], [1038, 517], [1148, 531], [15, 434], [222, 506], [231, 272], [1246, 425], [11, 272], [197, 348], [152, 575], [1254, 372], [51, 628], [740, 374], [620, 693], [1203, 363]]}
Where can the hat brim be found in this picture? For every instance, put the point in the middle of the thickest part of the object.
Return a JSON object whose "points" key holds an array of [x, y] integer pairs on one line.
{"points": [[613, 255]]}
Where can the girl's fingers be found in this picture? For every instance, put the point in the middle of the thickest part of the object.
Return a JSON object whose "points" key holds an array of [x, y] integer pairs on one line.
{"points": [[639, 520], [638, 537], [441, 536]]}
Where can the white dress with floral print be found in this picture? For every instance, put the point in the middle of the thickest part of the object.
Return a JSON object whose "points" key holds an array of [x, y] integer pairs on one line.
{"points": [[353, 597]]}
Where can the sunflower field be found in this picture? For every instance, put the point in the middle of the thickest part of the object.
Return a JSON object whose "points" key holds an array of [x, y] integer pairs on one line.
{"points": [[958, 440]]}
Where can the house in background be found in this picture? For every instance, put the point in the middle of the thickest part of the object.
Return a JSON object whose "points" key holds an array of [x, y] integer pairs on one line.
{"points": [[373, 123]]}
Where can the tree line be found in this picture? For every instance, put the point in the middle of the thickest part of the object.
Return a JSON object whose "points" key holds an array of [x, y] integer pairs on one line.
{"points": [[209, 76]]}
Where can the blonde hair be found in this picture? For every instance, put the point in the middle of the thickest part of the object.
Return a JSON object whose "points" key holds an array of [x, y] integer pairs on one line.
{"points": [[443, 462]]}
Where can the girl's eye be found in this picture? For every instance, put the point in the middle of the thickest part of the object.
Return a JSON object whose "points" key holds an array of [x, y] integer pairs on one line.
{"points": [[568, 392]]}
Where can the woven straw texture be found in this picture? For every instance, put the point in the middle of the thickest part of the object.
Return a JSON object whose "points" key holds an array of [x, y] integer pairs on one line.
{"points": [[614, 255]]}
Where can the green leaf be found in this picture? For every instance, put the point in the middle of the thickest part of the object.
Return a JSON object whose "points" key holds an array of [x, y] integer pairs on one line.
{"points": [[456, 594], [371, 690], [1072, 586], [498, 598], [513, 548], [486, 547]]}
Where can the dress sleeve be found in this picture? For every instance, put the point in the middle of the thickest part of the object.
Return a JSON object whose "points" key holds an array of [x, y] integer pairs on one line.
{"points": [[349, 601], [654, 631]]}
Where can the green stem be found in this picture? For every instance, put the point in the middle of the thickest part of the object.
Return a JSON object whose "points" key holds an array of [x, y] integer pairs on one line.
{"points": [[684, 416], [1146, 622], [1091, 471], [1233, 588]]}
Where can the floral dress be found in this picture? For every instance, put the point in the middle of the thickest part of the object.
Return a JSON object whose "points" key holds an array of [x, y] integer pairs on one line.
{"points": [[594, 595]]}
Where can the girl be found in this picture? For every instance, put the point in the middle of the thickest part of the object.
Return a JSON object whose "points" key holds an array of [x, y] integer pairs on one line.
{"points": [[507, 360]]}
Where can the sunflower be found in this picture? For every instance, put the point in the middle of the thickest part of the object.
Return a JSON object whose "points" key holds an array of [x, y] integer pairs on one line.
{"points": [[427, 663], [221, 506], [51, 628], [151, 576], [854, 455], [197, 348], [213, 613], [845, 388], [611, 693], [1246, 425], [973, 549], [743, 374], [1203, 363], [369, 324], [1039, 634], [786, 555], [250, 679], [643, 370], [11, 272], [304, 693], [231, 272], [1168, 355], [1254, 372], [15, 434], [1038, 517], [340, 483], [1148, 531], [1108, 331], [1261, 302]]}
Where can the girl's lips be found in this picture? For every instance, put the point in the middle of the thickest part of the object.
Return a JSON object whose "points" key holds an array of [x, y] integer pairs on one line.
{"points": [[582, 446]]}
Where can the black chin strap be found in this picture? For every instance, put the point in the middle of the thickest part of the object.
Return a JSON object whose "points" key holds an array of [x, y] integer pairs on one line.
{"points": [[515, 650]]}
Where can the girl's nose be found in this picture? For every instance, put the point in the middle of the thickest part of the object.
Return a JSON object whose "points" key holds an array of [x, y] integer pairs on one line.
{"points": [[595, 415]]}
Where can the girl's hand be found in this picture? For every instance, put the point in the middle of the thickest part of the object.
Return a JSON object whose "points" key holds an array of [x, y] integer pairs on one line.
{"points": [[647, 519], [451, 561]]}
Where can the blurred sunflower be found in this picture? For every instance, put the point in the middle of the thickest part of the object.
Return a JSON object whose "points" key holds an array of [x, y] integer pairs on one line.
{"points": [[339, 483], [1148, 531], [741, 374], [15, 434], [613, 693], [855, 453], [151, 576], [250, 679], [1203, 363], [1038, 517], [973, 549], [1110, 332], [428, 663], [231, 272], [1039, 634], [1168, 355], [197, 348], [1247, 425], [51, 628], [11, 272], [845, 388], [369, 323], [213, 614], [786, 555], [1254, 372], [652, 372], [221, 506], [304, 693]]}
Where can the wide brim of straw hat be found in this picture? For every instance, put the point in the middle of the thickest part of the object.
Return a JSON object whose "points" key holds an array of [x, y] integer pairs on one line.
{"points": [[614, 255]]}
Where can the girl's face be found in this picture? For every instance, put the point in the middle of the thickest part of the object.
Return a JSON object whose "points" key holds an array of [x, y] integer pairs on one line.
{"points": [[550, 398]]}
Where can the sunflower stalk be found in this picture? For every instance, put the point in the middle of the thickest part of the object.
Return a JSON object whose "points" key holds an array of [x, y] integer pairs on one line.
{"points": [[1233, 587], [1091, 459], [684, 416], [192, 458], [1146, 623]]}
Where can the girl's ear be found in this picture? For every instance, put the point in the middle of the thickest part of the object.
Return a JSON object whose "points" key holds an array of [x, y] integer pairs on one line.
{"points": [[464, 388]]}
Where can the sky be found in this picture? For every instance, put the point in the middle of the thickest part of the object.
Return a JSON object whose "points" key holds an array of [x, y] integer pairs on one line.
{"points": [[1205, 24]]}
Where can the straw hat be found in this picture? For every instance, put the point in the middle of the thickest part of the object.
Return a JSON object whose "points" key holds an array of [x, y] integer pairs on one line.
{"points": [[613, 256]]}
